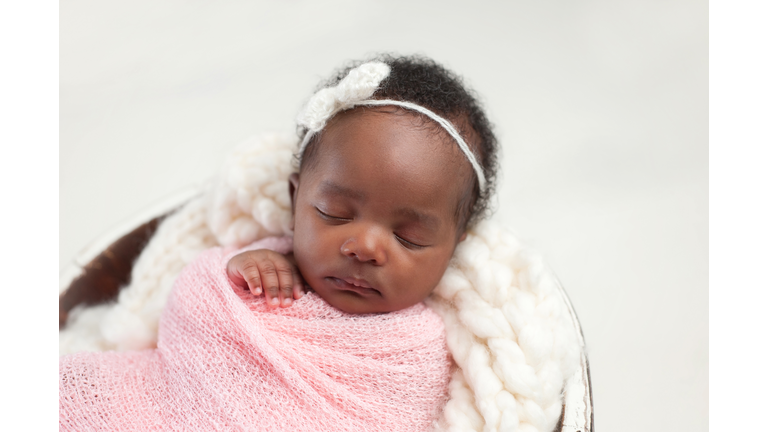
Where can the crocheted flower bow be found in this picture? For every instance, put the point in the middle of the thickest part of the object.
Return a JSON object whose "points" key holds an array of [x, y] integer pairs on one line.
{"points": [[357, 86]]}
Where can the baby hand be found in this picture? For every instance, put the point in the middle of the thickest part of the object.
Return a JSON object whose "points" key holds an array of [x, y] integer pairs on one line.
{"points": [[267, 271]]}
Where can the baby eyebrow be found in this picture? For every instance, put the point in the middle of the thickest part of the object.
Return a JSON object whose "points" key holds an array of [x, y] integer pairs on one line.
{"points": [[331, 188]]}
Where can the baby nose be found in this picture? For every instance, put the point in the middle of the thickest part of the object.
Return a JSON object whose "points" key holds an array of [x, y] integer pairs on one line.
{"points": [[367, 246]]}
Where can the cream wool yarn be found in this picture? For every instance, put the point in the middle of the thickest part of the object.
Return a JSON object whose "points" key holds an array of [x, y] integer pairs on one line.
{"points": [[509, 333], [131, 322], [250, 199], [507, 327]]}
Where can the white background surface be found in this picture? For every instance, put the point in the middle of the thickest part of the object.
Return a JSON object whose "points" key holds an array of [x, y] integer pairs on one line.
{"points": [[601, 107]]}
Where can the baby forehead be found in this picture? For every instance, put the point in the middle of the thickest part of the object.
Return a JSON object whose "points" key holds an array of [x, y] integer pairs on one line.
{"points": [[390, 133]]}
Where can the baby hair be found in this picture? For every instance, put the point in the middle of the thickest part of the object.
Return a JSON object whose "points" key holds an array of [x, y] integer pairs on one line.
{"points": [[422, 81]]}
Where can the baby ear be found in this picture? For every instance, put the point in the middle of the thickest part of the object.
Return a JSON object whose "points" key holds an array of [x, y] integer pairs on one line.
{"points": [[293, 190]]}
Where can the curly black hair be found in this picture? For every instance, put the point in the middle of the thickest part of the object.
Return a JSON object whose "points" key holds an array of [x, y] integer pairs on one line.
{"points": [[421, 80]]}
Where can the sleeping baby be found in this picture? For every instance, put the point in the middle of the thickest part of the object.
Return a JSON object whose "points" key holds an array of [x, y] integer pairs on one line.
{"points": [[326, 329]]}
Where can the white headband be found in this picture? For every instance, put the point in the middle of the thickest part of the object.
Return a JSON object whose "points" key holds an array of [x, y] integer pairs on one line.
{"points": [[355, 90]]}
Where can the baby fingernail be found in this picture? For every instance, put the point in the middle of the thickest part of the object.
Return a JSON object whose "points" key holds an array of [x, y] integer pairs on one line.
{"points": [[274, 301]]}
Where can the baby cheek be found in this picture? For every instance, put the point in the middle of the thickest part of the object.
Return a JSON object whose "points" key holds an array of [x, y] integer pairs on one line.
{"points": [[422, 276], [312, 248], [434, 270]]}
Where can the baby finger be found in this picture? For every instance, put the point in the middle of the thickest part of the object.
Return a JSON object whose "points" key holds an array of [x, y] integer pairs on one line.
{"points": [[250, 275], [270, 282], [298, 284], [286, 275]]}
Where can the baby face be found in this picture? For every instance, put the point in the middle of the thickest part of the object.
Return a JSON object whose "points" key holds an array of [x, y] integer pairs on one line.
{"points": [[374, 214]]}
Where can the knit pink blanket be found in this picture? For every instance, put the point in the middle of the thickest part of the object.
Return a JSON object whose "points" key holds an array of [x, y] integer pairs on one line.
{"points": [[225, 361]]}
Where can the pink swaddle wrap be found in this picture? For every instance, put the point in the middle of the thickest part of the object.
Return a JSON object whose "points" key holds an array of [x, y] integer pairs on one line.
{"points": [[225, 361]]}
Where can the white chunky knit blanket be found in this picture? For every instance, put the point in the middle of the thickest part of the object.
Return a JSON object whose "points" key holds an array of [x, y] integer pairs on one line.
{"points": [[508, 329]]}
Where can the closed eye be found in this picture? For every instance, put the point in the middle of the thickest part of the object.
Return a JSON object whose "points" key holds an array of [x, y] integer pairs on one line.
{"points": [[409, 244], [331, 218]]}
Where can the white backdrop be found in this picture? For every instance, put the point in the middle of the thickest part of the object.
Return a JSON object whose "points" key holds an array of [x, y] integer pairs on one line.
{"points": [[601, 107]]}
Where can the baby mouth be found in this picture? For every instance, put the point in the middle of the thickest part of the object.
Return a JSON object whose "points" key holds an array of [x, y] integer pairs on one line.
{"points": [[355, 285]]}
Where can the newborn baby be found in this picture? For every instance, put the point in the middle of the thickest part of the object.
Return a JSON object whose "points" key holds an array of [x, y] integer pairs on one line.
{"points": [[396, 160]]}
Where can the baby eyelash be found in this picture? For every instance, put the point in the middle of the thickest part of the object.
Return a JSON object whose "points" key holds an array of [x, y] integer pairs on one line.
{"points": [[408, 243], [325, 215], [402, 241]]}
